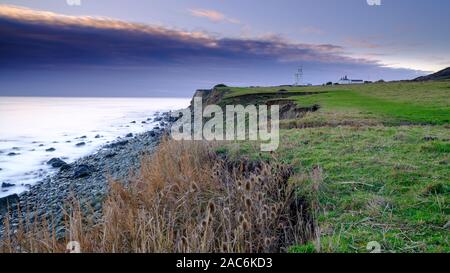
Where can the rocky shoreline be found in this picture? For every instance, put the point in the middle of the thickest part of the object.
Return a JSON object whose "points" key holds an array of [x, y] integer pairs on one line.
{"points": [[86, 179]]}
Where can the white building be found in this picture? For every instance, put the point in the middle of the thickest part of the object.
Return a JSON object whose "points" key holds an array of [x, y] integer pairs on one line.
{"points": [[346, 80]]}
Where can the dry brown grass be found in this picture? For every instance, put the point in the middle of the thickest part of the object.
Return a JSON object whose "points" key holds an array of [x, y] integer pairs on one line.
{"points": [[186, 199]]}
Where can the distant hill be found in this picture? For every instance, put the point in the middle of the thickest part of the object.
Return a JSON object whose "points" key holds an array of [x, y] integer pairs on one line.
{"points": [[441, 75]]}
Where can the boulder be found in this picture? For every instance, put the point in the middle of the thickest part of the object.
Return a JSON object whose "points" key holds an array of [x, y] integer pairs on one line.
{"points": [[7, 185], [50, 150], [110, 155], [80, 144], [8, 201], [118, 144], [65, 167], [129, 135], [82, 171], [56, 163]]}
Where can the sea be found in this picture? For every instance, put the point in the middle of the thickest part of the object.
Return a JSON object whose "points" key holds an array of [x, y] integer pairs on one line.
{"points": [[34, 130]]}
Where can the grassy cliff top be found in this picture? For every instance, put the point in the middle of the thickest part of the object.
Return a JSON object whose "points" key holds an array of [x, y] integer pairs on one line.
{"points": [[374, 159], [400, 102]]}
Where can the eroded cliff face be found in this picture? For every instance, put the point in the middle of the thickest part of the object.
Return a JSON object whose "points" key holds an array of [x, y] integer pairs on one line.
{"points": [[288, 108], [209, 96]]}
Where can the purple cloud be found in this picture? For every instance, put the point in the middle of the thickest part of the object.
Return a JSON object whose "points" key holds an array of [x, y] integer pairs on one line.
{"points": [[45, 38], [43, 52]]}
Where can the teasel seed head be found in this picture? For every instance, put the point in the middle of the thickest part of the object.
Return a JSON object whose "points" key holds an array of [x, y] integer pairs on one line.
{"points": [[204, 223], [260, 196], [265, 173], [241, 218], [273, 215], [209, 218], [211, 207], [184, 242], [248, 186], [264, 215], [274, 209], [245, 225], [267, 242], [281, 225], [224, 248], [248, 202]]}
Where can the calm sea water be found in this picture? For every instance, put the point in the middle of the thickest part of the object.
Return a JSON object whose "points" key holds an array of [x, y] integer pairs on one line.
{"points": [[29, 126]]}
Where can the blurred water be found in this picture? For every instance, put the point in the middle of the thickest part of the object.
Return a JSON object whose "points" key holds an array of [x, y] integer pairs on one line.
{"points": [[31, 125]]}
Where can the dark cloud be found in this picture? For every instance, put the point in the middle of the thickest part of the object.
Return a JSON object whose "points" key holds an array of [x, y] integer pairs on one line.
{"points": [[46, 41], [41, 38]]}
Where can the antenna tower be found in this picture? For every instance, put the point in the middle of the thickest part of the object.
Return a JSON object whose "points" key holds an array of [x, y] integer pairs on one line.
{"points": [[299, 76]]}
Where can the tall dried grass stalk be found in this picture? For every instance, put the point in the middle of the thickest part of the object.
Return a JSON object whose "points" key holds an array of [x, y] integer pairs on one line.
{"points": [[186, 199]]}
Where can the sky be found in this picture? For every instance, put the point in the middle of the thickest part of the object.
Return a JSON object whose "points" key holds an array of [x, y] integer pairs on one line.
{"points": [[170, 48]]}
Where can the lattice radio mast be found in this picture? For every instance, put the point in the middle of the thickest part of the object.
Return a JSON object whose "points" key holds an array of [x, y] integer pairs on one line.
{"points": [[299, 76]]}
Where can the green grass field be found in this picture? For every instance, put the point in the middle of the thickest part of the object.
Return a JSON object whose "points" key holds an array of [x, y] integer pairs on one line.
{"points": [[382, 152], [402, 102]]}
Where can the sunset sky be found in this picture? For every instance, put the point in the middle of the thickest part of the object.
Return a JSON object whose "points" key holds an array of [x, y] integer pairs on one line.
{"points": [[170, 48]]}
